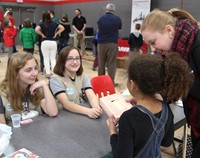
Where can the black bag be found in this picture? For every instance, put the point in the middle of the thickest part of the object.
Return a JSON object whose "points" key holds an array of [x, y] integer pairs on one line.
{"points": [[189, 148], [89, 31]]}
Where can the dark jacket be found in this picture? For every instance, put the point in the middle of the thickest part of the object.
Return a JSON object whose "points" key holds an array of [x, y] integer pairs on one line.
{"points": [[66, 25], [194, 62], [135, 41]]}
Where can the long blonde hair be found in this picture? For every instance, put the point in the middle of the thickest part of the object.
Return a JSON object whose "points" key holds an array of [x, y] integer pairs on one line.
{"points": [[10, 88], [156, 20]]}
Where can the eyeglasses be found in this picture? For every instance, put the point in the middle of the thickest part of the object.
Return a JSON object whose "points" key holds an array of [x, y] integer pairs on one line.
{"points": [[71, 59]]}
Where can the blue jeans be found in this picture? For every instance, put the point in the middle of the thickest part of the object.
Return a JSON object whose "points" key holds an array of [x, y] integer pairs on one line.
{"points": [[62, 43]]}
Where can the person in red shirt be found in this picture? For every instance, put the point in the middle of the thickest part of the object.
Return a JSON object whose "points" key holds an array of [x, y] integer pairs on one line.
{"points": [[9, 35], [9, 16]]}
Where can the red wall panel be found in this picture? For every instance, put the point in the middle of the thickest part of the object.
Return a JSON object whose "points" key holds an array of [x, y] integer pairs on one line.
{"points": [[51, 2]]}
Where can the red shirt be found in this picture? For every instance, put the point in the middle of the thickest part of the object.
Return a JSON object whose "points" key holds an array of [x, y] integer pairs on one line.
{"points": [[9, 35], [12, 20]]}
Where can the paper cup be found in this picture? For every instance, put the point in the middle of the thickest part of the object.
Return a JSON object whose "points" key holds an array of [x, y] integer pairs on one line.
{"points": [[16, 120]]}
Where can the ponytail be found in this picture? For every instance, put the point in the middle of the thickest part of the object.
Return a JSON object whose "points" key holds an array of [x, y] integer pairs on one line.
{"points": [[170, 76], [178, 77], [178, 13]]}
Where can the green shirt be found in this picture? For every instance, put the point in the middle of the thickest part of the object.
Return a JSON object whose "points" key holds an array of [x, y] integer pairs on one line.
{"points": [[28, 37]]}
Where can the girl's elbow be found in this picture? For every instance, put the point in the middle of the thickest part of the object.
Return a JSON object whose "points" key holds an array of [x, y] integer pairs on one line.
{"points": [[53, 114]]}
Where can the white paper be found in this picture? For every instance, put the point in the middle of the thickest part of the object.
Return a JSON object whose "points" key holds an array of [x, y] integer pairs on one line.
{"points": [[5, 135]]}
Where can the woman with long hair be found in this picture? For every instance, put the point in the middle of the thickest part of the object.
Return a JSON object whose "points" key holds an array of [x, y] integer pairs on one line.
{"points": [[21, 91], [48, 30], [176, 30]]}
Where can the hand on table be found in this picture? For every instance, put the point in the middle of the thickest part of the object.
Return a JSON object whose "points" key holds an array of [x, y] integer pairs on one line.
{"points": [[95, 112]]}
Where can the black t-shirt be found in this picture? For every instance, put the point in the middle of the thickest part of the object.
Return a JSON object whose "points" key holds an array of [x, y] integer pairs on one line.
{"points": [[135, 41], [79, 22], [135, 128], [48, 29]]}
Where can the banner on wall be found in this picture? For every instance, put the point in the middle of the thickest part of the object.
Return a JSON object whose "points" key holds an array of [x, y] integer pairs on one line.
{"points": [[140, 8]]}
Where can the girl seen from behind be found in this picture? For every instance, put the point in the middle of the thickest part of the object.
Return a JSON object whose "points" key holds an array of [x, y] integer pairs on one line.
{"points": [[64, 37], [21, 91], [48, 30], [149, 124], [71, 86], [28, 36], [135, 42]]}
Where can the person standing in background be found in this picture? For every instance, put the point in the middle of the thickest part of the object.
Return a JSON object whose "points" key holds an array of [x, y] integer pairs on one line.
{"points": [[53, 17], [79, 25], [9, 35], [108, 26], [95, 52], [135, 42], [64, 37], [9, 16], [28, 36], [48, 30]]}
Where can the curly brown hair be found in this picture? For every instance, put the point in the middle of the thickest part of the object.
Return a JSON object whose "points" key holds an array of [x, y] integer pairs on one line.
{"points": [[170, 76]]}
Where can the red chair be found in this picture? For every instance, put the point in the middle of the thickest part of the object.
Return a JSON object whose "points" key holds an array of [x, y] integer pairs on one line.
{"points": [[102, 85]]}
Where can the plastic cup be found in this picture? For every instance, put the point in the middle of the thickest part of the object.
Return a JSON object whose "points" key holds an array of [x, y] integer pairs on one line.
{"points": [[16, 120]]}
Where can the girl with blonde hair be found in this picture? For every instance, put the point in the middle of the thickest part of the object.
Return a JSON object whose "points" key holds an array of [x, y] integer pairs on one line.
{"points": [[177, 31], [21, 91]]}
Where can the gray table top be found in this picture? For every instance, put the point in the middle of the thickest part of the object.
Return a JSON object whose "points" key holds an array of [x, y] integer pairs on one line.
{"points": [[179, 116], [70, 135], [66, 136]]}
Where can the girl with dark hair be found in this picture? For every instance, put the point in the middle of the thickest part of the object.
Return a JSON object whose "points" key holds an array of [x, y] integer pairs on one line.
{"points": [[48, 30], [149, 124], [64, 37], [71, 86]]}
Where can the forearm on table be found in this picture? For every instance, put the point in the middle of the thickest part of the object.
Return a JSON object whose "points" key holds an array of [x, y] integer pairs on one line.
{"points": [[94, 102], [76, 108], [50, 103], [92, 98]]}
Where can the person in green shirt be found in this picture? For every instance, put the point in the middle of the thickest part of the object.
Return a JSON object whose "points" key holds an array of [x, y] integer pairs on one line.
{"points": [[28, 36]]}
